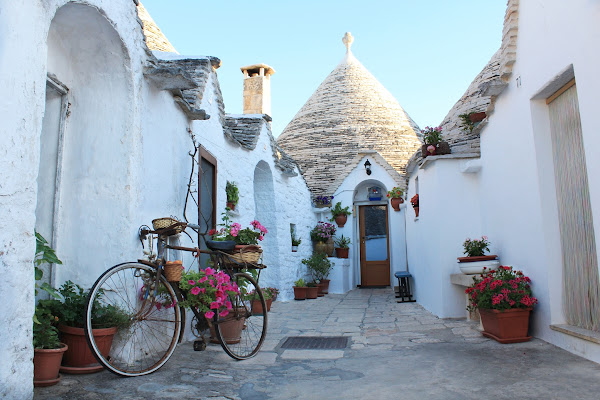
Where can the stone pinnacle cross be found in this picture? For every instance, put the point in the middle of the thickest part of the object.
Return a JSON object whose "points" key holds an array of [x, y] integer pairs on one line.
{"points": [[348, 39]]}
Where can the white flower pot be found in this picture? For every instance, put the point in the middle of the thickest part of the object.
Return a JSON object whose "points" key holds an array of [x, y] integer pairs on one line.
{"points": [[472, 268]]}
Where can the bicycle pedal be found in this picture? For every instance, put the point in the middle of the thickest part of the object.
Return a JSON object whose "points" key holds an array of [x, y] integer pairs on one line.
{"points": [[199, 345]]}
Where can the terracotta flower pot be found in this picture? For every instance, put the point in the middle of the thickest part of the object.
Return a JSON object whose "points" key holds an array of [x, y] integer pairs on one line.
{"points": [[395, 202], [477, 258], [231, 205], [340, 220], [477, 117], [416, 211], [312, 292], [79, 359], [342, 253], [320, 290], [506, 326], [325, 285], [231, 330], [46, 364], [257, 307], [269, 302], [300, 293]]}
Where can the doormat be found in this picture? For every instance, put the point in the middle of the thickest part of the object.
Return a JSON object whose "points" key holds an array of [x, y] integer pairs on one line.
{"points": [[316, 342]]}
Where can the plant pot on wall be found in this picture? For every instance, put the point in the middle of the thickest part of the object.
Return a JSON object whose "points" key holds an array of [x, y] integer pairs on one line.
{"points": [[342, 253], [442, 148], [294, 249], [330, 247], [506, 326], [416, 211], [320, 247], [341, 219], [46, 364], [477, 117], [395, 203], [231, 205]]}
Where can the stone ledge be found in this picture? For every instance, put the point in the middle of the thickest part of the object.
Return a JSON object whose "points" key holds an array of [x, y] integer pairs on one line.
{"points": [[461, 279], [453, 156], [581, 333]]}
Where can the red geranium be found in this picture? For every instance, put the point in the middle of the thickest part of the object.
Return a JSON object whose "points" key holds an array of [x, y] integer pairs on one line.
{"points": [[500, 290]]}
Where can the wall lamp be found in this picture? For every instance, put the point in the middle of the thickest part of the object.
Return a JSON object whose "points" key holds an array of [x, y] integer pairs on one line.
{"points": [[368, 167]]}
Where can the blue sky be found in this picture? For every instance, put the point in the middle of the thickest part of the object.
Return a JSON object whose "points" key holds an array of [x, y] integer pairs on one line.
{"points": [[425, 52]]}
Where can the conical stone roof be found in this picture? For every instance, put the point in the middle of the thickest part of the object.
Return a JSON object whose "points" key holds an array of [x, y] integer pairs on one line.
{"points": [[349, 114]]}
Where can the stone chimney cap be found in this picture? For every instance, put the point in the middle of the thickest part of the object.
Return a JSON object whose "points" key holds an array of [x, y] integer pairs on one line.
{"points": [[255, 69]]}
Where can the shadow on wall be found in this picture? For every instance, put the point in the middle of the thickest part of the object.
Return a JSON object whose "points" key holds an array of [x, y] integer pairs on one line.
{"points": [[266, 214]]}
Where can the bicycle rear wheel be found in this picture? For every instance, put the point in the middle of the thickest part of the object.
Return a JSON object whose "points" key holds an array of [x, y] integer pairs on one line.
{"points": [[254, 324], [145, 342]]}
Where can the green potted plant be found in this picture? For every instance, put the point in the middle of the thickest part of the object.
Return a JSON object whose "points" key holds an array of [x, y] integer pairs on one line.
{"points": [[48, 350], [319, 267], [322, 237], [504, 300], [395, 196], [476, 261], [71, 309], [469, 120], [255, 302], [342, 247], [300, 289], [434, 143], [339, 214], [312, 290], [295, 240], [233, 194], [210, 291], [243, 242]]}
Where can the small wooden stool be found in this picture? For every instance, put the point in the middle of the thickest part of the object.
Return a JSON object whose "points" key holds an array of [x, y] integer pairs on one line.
{"points": [[404, 293]]}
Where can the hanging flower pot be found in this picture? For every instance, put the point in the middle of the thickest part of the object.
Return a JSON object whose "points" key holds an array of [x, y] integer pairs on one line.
{"points": [[340, 220], [395, 202], [231, 205], [477, 117]]}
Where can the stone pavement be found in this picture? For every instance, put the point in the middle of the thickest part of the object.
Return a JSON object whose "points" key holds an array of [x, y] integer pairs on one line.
{"points": [[397, 351]]}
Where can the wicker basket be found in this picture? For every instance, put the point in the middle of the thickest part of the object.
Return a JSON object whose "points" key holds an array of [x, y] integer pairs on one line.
{"points": [[162, 223], [241, 255], [173, 270]]}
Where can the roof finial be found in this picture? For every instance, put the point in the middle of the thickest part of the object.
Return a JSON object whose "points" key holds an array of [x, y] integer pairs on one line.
{"points": [[348, 39]]}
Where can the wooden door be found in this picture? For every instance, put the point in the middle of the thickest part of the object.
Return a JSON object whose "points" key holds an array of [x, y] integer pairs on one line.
{"points": [[374, 246]]}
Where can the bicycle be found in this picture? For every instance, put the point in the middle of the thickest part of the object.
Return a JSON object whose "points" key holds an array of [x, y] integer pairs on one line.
{"points": [[156, 322]]}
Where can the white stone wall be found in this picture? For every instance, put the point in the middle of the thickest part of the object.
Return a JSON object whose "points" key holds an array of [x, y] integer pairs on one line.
{"points": [[515, 185], [24, 30]]}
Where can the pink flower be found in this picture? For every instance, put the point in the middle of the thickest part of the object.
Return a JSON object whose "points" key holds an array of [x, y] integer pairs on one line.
{"points": [[195, 290], [214, 305], [209, 314], [228, 305], [484, 237], [209, 271], [223, 313], [202, 290], [210, 282], [191, 282], [203, 279]]}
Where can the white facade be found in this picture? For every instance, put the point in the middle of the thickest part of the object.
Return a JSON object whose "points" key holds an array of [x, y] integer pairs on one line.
{"points": [[512, 197], [117, 159]]}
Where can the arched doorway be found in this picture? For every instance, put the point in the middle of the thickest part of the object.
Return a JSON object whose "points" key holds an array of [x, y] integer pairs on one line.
{"points": [[86, 143], [265, 209]]}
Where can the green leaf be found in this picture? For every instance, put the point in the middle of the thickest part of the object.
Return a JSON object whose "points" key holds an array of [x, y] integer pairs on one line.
{"points": [[39, 274]]}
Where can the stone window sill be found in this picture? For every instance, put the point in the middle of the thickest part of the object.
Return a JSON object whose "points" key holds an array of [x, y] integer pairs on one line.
{"points": [[584, 334]]}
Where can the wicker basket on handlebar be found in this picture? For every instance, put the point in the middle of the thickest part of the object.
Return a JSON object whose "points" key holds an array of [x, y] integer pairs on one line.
{"points": [[162, 223], [173, 270]]}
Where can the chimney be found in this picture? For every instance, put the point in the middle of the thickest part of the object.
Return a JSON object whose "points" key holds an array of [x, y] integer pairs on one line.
{"points": [[257, 89]]}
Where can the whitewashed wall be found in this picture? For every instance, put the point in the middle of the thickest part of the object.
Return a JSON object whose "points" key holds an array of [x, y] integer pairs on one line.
{"points": [[514, 190], [528, 228], [449, 212], [24, 29]]}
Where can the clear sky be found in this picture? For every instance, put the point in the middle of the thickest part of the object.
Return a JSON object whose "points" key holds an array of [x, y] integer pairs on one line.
{"points": [[425, 52]]}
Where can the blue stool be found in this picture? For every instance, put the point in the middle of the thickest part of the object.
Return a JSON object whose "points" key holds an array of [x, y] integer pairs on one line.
{"points": [[404, 293]]}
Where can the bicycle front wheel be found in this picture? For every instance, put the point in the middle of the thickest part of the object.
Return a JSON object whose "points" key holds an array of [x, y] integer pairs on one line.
{"points": [[148, 325], [253, 323]]}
